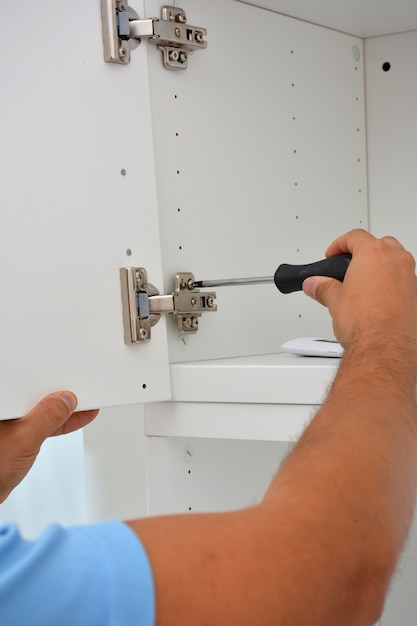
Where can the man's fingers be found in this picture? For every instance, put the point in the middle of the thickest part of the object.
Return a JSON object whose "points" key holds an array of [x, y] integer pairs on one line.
{"points": [[348, 242], [392, 241], [76, 421], [355, 238], [49, 415]]}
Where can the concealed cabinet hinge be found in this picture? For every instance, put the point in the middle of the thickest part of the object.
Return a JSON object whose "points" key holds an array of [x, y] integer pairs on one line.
{"points": [[143, 305], [123, 31]]}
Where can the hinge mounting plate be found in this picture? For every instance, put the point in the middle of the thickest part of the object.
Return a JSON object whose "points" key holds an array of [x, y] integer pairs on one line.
{"points": [[123, 31]]}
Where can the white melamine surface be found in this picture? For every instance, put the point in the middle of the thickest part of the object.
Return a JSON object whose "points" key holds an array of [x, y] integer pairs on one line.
{"points": [[392, 136], [69, 215], [274, 378], [261, 398], [217, 420], [368, 18], [261, 160]]}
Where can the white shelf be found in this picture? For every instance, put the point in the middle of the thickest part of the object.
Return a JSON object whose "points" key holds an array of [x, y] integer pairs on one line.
{"points": [[265, 398], [264, 379]]}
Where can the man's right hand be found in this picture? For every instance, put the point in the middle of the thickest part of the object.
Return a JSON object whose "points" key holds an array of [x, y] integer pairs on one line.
{"points": [[378, 295]]}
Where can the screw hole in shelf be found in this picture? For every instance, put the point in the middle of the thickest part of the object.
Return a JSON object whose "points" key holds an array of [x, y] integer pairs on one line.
{"points": [[386, 66]]}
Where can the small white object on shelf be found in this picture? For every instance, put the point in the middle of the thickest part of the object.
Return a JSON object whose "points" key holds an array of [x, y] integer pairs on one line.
{"points": [[313, 346]]}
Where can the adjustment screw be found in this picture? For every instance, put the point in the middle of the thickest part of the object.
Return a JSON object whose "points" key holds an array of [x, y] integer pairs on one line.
{"points": [[187, 322], [143, 334], [210, 302], [198, 36], [174, 55], [194, 322], [193, 302], [178, 32], [122, 52]]}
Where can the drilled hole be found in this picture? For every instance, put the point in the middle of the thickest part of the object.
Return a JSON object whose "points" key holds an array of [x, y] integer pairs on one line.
{"points": [[386, 66]]}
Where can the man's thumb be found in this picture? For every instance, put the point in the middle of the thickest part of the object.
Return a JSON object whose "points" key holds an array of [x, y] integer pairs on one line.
{"points": [[50, 414], [320, 288]]}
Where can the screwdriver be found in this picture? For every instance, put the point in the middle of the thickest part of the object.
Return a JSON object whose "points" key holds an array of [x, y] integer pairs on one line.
{"points": [[288, 278]]}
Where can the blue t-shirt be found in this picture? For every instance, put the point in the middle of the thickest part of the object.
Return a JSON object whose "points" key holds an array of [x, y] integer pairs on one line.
{"points": [[97, 575]]}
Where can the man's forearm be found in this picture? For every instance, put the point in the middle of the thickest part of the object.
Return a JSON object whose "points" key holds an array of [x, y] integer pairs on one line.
{"points": [[353, 472]]}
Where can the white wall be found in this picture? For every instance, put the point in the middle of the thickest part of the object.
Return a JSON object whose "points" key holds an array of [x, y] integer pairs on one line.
{"points": [[54, 489]]}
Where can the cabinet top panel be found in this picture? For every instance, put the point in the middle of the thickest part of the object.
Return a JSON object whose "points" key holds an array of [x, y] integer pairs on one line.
{"points": [[362, 19]]}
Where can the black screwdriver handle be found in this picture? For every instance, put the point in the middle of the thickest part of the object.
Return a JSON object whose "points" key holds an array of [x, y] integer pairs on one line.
{"points": [[289, 278]]}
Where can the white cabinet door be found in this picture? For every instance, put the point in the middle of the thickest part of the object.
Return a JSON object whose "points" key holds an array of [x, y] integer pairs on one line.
{"points": [[78, 202]]}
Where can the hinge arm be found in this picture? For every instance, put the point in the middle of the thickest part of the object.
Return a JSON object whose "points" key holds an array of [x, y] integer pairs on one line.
{"points": [[143, 305], [123, 31], [164, 33]]}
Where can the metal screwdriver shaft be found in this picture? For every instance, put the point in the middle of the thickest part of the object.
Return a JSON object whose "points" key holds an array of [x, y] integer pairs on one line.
{"points": [[226, 282]]}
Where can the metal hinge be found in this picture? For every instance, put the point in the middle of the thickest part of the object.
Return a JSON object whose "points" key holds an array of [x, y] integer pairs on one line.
{"points": [[143, 305], [123, 31]]}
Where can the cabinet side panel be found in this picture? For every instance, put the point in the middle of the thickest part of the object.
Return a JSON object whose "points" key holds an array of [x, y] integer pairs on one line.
{"points": [[261, 160], [391, 95], [196, 475]]}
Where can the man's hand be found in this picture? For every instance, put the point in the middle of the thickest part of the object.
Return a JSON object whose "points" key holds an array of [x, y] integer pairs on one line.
{"points": [[21, 439], [378, 295]]}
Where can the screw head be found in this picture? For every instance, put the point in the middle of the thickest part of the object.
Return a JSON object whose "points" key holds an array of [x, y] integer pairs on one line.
{"points": [[188, 453], [178, 32]]}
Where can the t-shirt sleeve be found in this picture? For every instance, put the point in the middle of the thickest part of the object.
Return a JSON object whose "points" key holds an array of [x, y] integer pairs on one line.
{"points": [[95, 575]]}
